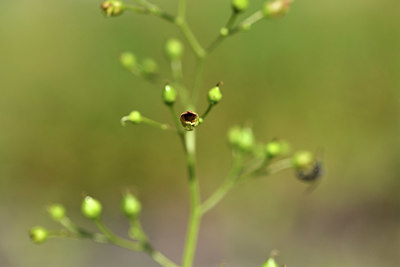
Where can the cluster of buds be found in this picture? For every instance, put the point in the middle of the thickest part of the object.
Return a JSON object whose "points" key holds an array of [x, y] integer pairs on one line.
{"points": [[147, 67], [112, 8], [241, 139]]}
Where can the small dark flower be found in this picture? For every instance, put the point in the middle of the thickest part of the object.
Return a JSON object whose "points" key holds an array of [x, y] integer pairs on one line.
{"points": [[189, 120]]}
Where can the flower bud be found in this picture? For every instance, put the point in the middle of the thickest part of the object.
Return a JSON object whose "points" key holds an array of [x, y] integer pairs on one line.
{"points": [[276, 148], [149, 67], [169, 95], [270, 263], [240, 5], [214, 95], [38, 234], [135, 117], [174, 49], [302, 159], [189, 120], [56, 211], [128, 60], [131, 206], [91, 208], [276, 8], [241, 138], [112, 8]]}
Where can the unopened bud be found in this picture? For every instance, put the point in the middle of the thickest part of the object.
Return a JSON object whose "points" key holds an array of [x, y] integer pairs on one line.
{"points": [[303, 159], [149, 67], [128, 60], [131, 206], [169, 95], [91, 208], [56, 211], [276, 148], [240, 5], [241, 138], [135, 117], [189, 120], [214, 95], [112, 8], [276, 8], [270, 263], [38, 234], [174, 49]]}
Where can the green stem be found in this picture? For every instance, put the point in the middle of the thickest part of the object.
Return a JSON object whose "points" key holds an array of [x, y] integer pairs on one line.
{"points": [[178, 126], [197, 79], [192, 40], [176, 68], [195, 208], [156, 124], [210, 106], [229, 183], [182, 9]]}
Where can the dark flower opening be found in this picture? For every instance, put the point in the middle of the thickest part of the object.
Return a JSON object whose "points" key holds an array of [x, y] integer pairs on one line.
{"points": [[189, 116]]}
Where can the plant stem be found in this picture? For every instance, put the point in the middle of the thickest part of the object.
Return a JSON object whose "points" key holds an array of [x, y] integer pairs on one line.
{"points": [[195, 208], [197, 78], [218, 195], [182, 9], [191, 38], [210, 106]]}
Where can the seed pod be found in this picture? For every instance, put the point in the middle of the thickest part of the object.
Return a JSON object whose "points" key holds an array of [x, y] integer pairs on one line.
{"points": [[56, 211], [270, 263], [214, 95], [174, 49], [131, 206], [91, 208], [189, 120], [128, 60], [38, 234], [169, 95], [240, 5]]}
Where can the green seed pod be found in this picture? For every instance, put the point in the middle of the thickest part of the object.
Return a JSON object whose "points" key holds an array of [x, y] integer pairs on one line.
{"points": [[214, 95], [38, 234], [240, 5], [270, 263], [189, 120], [112, 8], [149, 67], [131, 206], [169, 95], [276, 148], [91, 208], [174, 49], [303, 159], [276, 8], [128, 60], [56, 211]]}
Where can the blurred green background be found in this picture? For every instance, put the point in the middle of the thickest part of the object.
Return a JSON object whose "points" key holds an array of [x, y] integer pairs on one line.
{"points": [[326, 76]]}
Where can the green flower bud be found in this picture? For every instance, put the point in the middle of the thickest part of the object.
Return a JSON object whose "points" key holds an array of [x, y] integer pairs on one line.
{"points": [[135, 117], [128, 60], [303, 159], [91, 208], [276, 8], [214, 95], [38, 234], [270, 263], [241, 138], [276, 148], [149, 67], [112, 8], [240, 5], [224, 31], [169, 95], [56, 211], [131, 206], [189, 120], [174, 49]]}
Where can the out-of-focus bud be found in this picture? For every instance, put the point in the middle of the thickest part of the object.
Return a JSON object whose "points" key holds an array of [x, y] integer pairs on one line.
{"points": [[189, 120], [38, 234], [174, 49], [56, 211], [131, 206], [276, 148], [91, 208], [303, 159], [215, 95], [270, 263], [241, 138], [112, 8], [135, 117], [276, 8], [169, 95], [128, 60], [149, 67], [240, 5], [224, 31]]}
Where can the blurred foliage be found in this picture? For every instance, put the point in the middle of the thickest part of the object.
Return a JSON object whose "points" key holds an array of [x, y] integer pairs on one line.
{"points": [[324, 77]]}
